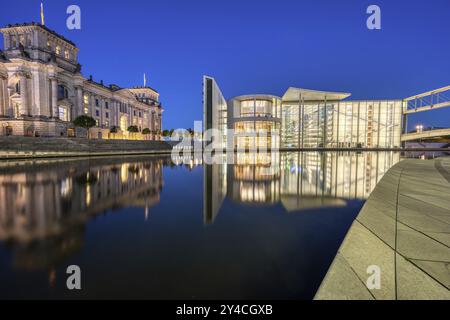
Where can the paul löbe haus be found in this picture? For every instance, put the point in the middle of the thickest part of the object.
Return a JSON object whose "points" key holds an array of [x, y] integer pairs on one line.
{"points": [[42, 91], [304, 118]]}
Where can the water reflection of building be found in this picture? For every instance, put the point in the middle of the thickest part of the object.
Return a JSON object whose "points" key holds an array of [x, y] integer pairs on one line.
{"points": [[44, 207], [298, 181]]}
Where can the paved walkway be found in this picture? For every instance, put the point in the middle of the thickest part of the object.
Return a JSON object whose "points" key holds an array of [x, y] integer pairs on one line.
{"points": [[404, 228]]}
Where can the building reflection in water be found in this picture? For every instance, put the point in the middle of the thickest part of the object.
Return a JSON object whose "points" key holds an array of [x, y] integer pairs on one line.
{"points": [[44, 207], [296, 180]]}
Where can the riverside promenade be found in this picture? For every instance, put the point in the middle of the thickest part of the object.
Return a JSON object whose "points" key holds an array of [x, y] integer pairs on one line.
{"points": [[404, 229], [31, 147]]}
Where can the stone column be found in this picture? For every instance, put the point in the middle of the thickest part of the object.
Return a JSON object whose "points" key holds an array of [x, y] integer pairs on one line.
{"points": [[2, 96], [79, 107], [54, 97], [36, 93], [92, 106], [23, 95], [102, 112], [10, 110], [117, 113]]}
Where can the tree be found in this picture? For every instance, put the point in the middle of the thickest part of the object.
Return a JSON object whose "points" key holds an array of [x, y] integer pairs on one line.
{"points": [[114, 129], [146, 131], [166, 133], [133, 129], [85, 122]]}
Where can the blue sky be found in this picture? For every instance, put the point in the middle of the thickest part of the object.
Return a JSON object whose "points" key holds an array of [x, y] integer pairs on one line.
{"points": [[257, 46]]}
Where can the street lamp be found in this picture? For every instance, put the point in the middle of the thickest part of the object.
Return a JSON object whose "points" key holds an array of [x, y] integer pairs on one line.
{"points": [[419, 128]]}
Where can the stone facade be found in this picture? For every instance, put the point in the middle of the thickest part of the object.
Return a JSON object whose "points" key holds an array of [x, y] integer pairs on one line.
{"points": [[42, 91]]}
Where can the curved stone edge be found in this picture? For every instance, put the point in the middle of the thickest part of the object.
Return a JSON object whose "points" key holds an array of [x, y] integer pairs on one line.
{"points": [[384, 235]]}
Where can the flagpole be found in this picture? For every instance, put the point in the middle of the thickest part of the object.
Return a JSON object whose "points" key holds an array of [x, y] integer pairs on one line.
{"points": [[42, 14]]}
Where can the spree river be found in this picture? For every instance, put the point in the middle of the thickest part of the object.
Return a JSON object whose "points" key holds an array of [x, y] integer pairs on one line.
{"points": [[152, 228]]}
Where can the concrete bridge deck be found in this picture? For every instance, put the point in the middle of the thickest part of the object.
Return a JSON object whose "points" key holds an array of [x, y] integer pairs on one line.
{"points": [[426, 135], [404, 228]]}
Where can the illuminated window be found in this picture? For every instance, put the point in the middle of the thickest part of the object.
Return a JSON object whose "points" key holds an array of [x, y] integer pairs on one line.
{"points": [[58, 50], [49, 45], [67, 54], [86, 104], [63, 114], [123, 123]]}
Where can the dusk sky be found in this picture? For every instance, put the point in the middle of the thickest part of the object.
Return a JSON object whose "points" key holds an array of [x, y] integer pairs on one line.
{"points": [[256, 47]]}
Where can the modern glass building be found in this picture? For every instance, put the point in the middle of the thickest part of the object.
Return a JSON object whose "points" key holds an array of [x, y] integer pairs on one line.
{"points": [[303, 118]]}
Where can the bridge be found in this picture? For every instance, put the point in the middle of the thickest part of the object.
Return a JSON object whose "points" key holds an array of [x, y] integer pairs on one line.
{"points": [[427, 101], [437, 135]]}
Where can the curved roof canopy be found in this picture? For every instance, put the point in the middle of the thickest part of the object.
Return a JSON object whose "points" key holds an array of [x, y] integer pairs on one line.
{"points": [[293, 94], [255, 96]]}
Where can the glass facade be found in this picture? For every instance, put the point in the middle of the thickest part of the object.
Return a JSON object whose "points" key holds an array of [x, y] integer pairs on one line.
{"points": [[256, 134], [344, 124]]}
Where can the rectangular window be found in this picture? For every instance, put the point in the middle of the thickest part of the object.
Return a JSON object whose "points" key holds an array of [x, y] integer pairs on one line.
{"points": [[96, 122], [58, 50], [62, 113], [106, 105], [107, 115], [13, 42], [97, 113], [97, 103], [67, 54]]}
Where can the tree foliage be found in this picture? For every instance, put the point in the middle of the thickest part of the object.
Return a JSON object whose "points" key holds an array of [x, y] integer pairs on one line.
{"points": [[85, 121], [133, 129]]}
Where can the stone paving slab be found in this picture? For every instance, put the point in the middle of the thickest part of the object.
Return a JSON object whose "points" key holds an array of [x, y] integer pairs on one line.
{"points": [[404, 229]]}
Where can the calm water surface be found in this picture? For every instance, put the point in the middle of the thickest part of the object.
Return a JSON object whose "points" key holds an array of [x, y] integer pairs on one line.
{"points": [[146, 227]]}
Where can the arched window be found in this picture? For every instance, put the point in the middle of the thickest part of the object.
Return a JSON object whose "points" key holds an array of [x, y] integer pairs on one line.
{"points": [[17, 87], [63, 93]]}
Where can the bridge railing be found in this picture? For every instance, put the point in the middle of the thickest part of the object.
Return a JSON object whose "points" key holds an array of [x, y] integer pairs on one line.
{"points": [[438, 98]]}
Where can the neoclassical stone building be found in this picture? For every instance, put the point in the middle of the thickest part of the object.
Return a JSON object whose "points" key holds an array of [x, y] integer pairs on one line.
{"points": [[42, 91]]}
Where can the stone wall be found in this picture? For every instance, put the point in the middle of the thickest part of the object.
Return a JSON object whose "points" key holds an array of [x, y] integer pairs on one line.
{"points": [[32, 147]]}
